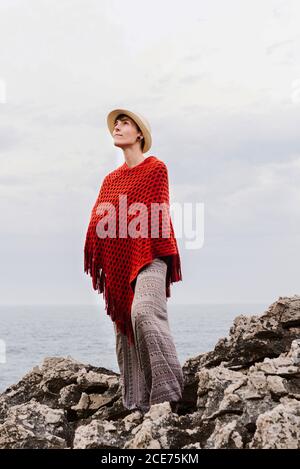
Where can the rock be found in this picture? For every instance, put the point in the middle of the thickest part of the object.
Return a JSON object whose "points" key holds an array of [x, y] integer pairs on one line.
{"points": [[97, 434], [252, 338], [225, 436], [34, 425], [158, 429], [96, 380], [69, 396], [279, 428], [243, 394]]}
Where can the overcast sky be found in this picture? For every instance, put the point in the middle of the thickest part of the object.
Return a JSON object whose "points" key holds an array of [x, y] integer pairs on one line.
{"points": [[219, 82]]}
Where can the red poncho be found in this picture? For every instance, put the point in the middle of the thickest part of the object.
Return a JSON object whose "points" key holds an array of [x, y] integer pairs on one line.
{"points": [[114, 261]]}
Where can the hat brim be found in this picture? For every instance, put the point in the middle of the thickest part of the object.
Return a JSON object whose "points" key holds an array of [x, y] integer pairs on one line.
{"points": [[138, 119]]}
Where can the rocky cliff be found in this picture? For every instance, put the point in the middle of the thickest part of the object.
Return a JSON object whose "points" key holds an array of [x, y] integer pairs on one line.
{"points": [[243, 394]]}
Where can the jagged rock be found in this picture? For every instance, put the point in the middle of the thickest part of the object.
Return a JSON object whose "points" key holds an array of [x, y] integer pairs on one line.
{"points": [[192, 446], [243, 394], [97, 434], [112, 412], [252, 338], [90, 403], [59, 383], [96, 380], [34, 425], [159, 429], [225, 436], [279, 428], [69, 396]]}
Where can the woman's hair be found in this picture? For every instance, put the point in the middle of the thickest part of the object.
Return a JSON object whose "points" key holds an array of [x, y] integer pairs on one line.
{"points": [[122, 117]]}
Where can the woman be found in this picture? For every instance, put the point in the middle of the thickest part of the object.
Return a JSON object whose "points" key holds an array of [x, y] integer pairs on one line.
{"points": [[133, 259]]}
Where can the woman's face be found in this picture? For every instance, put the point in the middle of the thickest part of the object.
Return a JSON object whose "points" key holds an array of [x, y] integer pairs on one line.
{"points": [[125, 132]]}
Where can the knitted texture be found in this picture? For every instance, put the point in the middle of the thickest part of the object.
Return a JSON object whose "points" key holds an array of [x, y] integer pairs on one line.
{"points": [[122, 238]]}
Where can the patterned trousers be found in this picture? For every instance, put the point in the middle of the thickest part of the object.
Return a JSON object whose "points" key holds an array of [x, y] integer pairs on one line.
{"points": [[150, 371]]}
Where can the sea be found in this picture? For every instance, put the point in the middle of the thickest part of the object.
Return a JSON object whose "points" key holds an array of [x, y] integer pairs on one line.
{"points": [[29, 333]]}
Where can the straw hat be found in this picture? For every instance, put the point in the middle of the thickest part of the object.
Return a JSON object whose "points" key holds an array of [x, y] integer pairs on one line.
{"points": [[138, 119]]}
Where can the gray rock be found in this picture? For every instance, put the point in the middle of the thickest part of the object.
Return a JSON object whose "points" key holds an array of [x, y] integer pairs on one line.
{"points": [[34, 425], [252, 338], [279, 428], [97, 434]]}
